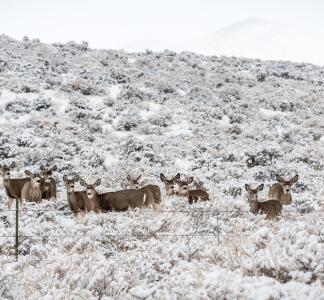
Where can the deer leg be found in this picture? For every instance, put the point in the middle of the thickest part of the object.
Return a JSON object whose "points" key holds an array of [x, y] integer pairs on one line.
{"points": [[10, 200]]}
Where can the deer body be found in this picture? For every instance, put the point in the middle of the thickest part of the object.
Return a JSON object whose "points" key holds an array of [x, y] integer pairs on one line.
{"points": [[272, 208], [48, 185], [192, 195], [125, 199], [77, 201], [31, 191], [13, 187], [281, 190]]}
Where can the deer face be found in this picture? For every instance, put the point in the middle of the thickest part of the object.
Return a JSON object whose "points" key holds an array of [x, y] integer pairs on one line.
{"points": [[286, 185], [47, 174], [133, 183], [90, 188], [253, 193], [169, 184], [70, 183], [5, 171], [35, 178], [184, 186]]}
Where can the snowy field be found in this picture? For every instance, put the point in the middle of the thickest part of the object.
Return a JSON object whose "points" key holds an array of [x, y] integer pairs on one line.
{"points": [[225, 121]]}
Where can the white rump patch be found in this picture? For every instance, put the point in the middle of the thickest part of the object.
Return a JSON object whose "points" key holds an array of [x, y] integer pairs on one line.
{"points": [[144, 198]]}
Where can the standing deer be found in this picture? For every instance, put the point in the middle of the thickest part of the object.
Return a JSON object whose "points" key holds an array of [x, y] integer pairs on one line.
{"points": [[92, 194], [31, 191], [169, 184], [13, 187], [281, 190], [192, 195], [48, 185], [78, 201], [272, 208], [133, 183]]}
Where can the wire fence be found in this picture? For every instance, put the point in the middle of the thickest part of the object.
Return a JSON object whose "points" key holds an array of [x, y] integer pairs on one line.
{"points": [[220, 216]]}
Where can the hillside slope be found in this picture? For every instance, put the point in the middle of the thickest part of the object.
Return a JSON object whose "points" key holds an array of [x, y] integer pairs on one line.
{"points": [[106, 113]]}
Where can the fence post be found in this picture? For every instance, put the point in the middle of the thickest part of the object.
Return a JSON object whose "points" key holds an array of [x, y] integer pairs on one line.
{"points": [[217, 212], [17, 228]]}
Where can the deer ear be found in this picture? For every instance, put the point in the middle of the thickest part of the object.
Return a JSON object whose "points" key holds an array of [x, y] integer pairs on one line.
{"points": [[76, 178], [129, 178], [82, 182], [28, 173], [13, 165], [162, 177], [248, 188], [54, 168], [294, 179], [98, 182], [41, 167], [260, 187], [279, 178], [64, 178], [190, 180], [177, 177]]}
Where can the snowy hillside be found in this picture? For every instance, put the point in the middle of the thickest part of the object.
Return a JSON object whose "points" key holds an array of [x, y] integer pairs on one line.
{"points": [[106, 113]]}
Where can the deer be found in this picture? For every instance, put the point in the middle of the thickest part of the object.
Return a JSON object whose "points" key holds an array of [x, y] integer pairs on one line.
{"points": [[281, 190], [192, 195], [148, 196], [92, 194], [78, 201], [48, 185], [272, 208], [13, 187], [32, 191], [169, 184], [133, 183]]}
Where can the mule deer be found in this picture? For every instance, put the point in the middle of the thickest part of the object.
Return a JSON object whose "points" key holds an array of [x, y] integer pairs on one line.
{"points": [[78, 201], [281, 190], [92, 194], [169, 184], [48, 185], [13, 187], [192, 195], [148, 196], [272, 208], [133, 183], [31, 191]]}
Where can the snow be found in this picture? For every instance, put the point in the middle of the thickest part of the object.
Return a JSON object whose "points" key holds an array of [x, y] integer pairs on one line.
{"points": [[226, 121]]}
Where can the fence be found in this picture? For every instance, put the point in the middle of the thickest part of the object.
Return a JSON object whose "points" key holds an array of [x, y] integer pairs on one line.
{"points": [[198, 217]]}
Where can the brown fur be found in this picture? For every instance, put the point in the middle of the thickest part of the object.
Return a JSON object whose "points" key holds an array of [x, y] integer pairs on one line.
{"points": [[148, 196], [281, 190], [272, 208], [169, 184], [13, 187], [192, 195], [78, 201], [48, 185], [31, 191]]}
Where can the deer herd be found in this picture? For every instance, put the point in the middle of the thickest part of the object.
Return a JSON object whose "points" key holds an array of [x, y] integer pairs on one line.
{"points": [[42, 185]]}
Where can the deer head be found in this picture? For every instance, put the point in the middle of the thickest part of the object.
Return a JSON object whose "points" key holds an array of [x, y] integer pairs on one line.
{"points": [[47, 174], [184, 186], [90, 188], [286, 184], [70, 182], [34, 177], [169, 184], [253, 193], [133, 183], [5, 170]]}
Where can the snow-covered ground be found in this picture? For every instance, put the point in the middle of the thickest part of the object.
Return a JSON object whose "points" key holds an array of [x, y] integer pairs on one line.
{"points": [[225, 121]]}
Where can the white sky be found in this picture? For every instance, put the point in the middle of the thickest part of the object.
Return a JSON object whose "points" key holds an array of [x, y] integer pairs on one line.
{"points": [[115, 23]]}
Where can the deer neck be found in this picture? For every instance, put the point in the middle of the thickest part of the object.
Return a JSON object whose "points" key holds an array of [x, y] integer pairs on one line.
{"points": [[254, 206]]}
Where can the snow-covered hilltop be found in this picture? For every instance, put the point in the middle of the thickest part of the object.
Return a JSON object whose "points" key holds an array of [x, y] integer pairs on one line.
{"points": [[224, 120]]}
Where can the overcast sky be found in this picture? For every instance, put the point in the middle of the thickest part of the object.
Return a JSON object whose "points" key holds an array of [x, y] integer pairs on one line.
{"points": [[114, 24]]}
